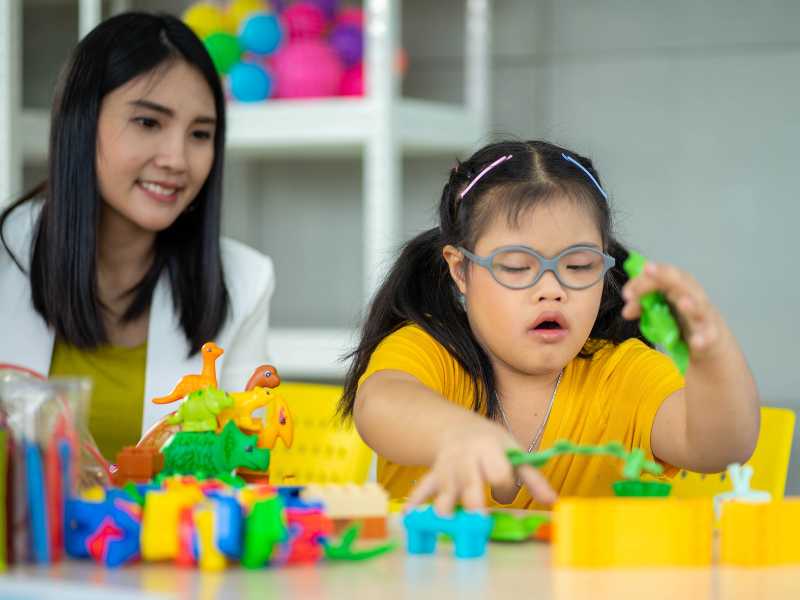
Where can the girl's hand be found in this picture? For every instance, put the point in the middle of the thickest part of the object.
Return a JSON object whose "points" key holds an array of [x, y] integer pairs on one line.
{"points": [[700, 322], [467, 460]]}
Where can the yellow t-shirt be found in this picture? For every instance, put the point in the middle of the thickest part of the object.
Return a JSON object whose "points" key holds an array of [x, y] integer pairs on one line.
{"points": [[612, 396], [117, 374]]}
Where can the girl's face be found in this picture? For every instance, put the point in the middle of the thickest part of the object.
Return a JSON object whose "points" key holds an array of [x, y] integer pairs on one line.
{"points": [[505, 321], [155, 146]]}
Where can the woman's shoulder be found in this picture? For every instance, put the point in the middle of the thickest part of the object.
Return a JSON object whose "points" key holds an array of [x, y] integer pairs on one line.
{"points": [[249, 274], [18, 229]]}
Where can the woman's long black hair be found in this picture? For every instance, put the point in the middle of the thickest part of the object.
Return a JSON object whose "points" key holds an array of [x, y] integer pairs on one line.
{"points": [[63, 265], [420, 290]]}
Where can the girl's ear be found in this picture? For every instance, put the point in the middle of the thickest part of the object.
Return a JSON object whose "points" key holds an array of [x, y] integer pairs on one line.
{"points": [[457, 265]]}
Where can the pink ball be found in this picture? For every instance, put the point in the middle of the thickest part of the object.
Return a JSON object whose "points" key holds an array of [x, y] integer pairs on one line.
{"points": [[307, 69], [352, 15], [304, 20], [353, 81]]}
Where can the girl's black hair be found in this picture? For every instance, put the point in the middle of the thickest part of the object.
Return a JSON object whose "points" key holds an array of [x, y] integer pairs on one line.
{"points": [[63, 265], [420, 290]]}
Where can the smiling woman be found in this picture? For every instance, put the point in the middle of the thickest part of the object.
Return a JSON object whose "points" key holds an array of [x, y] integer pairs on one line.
{"points": [[114, 267]]}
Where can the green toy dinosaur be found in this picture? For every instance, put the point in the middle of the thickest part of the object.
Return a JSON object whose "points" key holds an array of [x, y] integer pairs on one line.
{"points": [[209, 454], [200, 409]]}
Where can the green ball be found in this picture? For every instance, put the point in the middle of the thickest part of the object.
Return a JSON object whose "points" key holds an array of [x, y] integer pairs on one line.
{"points": [[224, 49]]}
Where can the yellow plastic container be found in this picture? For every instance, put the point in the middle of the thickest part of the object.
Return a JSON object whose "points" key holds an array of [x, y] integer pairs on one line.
{"points": [[756, 535], [324, 450], [632, 532]]}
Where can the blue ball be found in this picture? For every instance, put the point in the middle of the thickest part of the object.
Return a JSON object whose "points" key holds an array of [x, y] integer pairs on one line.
{"points": [[261, 33], [250, 82]]}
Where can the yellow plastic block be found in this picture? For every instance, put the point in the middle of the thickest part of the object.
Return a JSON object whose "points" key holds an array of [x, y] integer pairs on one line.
{"points": [[210, 559], [159, 535], [348, 500], [760, 534], [632, 532]]}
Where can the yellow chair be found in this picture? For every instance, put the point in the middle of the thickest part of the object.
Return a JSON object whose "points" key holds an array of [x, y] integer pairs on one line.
{"points": [[323, 450], [770, 461]]}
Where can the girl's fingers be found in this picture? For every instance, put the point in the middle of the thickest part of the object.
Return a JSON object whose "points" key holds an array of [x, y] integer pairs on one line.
{"points": [[497, 470], [473, 496], [445, 501], [537, 484], [423, 490]]}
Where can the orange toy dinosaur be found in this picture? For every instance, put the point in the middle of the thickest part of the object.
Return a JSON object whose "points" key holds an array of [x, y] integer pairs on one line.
{"points": [[191, 383], [265, 376]]}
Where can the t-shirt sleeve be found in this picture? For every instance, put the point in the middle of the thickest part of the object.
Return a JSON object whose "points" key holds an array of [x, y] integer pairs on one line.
{"points": [[640, 382], [411, 350]]}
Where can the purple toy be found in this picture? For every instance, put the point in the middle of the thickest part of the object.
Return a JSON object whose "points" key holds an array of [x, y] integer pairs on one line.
{"points": [[348, 41], [307, 69], [303, 21], [328, 7], [352, 15]]}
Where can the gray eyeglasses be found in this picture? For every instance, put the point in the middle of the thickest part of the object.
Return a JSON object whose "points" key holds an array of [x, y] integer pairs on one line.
{"points": [[520, 267]]}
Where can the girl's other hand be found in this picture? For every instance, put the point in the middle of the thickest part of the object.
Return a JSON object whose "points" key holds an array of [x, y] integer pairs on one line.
{"points": [[700, 322], [467, 460]]}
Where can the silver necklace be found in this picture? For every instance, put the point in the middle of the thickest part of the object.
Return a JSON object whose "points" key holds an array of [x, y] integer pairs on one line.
{"points": [[537, 438]]}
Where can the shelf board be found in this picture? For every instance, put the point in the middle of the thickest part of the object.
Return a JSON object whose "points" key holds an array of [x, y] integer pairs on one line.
{"points": [[305, 353], [313, 128]]}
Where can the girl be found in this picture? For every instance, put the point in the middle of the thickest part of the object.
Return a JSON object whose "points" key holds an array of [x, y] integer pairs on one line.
{"points": [[114, 267], [505, 327]]}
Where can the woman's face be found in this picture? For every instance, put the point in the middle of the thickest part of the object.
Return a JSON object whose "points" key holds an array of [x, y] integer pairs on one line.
{"points": [[155, 146]]}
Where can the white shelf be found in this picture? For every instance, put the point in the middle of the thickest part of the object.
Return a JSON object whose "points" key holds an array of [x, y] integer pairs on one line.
{"points": [[324, 127], [302, 352]]}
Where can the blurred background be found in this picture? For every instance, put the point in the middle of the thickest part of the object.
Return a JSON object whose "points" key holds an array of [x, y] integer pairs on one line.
{"points": [[688, 109]]}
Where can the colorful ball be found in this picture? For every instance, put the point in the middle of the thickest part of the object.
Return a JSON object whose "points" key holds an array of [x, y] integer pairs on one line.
{"points": [[261, 33], [240, 10], [224, 49], [205, 18], [307, 69], [328, 7], [353, 81], [250, 82], [352, 15], [348, 41], [303, 21]]}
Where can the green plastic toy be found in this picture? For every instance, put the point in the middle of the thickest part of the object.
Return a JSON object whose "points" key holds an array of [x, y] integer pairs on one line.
{"points": [[209, 454], [657, 322], [507, 527], [200, 409], [344, 549], [265, 526], [635, 463]]}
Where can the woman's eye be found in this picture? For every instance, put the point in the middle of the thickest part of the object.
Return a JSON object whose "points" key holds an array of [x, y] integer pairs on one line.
{"points": [[146, 122], [201, 135]]}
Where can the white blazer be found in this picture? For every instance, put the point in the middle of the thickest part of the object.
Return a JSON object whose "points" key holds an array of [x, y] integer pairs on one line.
{"points": [[249, 275]]}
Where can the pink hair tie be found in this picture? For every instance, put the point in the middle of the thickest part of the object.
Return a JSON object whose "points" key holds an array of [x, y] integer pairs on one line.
{"points": [[477, 178]]}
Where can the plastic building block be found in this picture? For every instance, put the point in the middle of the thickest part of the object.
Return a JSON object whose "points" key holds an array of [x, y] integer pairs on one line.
{"points": [[210, 558], [507, 527], [740, 478], [657, 322], [307, 528], [228, 525], [632, 532], [138, 465], [344, 549], [469, 530], [106, 531], [213, 454], [160, 520], [760, 534], [265, 527], [200, 409], [347, 503], [191, 383]]}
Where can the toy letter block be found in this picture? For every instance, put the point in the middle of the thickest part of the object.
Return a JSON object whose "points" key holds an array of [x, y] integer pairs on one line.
{"points": [[760, 534], [632, 532]]}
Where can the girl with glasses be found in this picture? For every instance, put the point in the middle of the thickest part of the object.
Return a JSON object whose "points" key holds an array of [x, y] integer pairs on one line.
{"points": [[512, 325]]}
